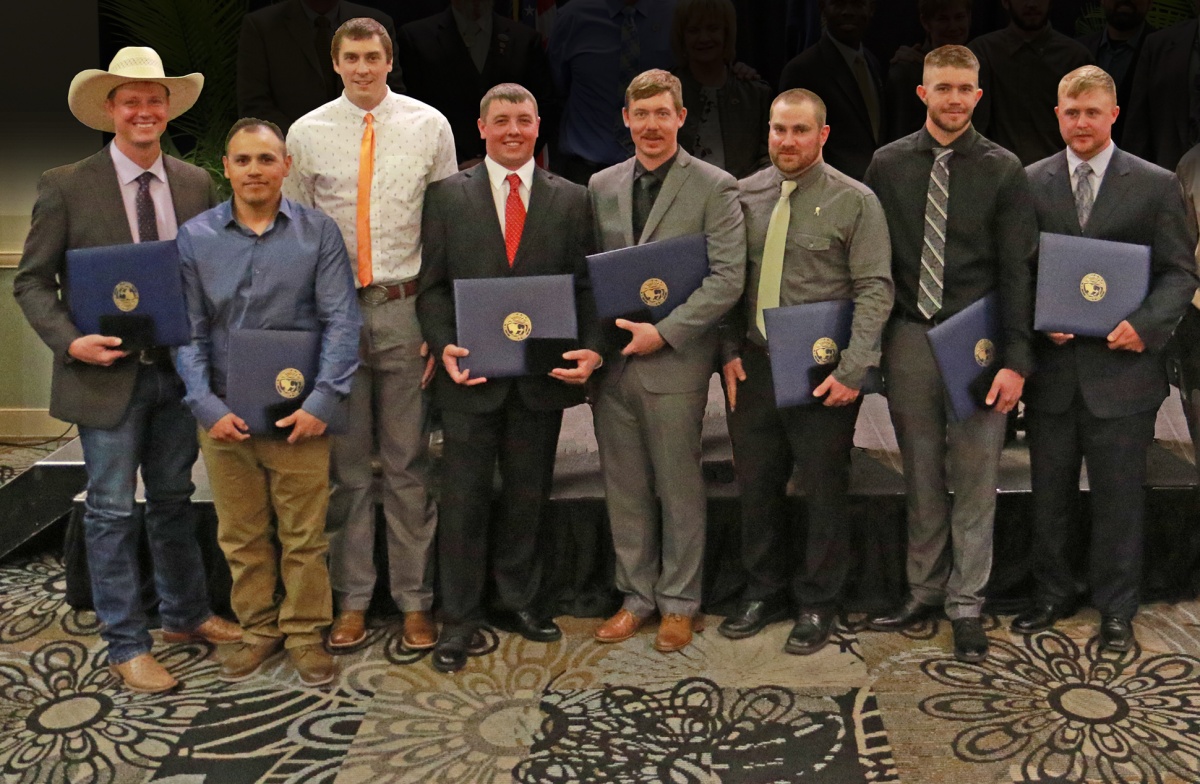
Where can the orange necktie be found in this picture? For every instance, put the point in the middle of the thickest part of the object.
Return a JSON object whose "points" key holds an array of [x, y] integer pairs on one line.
{"points": [[362, 222]]}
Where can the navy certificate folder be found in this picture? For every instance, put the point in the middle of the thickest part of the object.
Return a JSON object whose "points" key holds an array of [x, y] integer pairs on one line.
{"points": [[1087, 286], [805, 343], [966, 350], [646, 282], [504, 322], [134, 292], [271, 373]]}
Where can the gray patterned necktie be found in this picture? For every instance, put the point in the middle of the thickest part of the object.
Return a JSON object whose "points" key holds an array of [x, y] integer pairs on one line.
{"points": [[933, 251], [1085, 197], [147, 218]]}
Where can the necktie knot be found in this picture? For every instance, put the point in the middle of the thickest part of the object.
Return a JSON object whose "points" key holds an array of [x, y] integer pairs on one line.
{"points": [[144, 179], [369, 119], [514, 182], [941, 154], [787, 188]]}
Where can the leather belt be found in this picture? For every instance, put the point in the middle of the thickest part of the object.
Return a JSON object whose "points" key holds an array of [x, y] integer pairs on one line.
{"points": [[378, 293]]}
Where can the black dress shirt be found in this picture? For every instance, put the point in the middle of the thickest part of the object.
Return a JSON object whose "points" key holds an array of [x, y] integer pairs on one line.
{"points": [[991, 230]]}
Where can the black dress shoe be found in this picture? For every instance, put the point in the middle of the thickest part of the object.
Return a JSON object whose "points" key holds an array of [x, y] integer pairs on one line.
{"points": [[908, 614], [810, 633], [450, 653], [970, 643], [1116, 634], [1043, 616], [752, 617], [528, 625]]}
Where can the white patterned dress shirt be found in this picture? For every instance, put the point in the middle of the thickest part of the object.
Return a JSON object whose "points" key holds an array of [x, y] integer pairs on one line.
{"points": [[414, 146]]}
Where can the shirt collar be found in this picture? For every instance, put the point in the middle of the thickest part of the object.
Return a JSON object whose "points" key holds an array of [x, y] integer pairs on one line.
{"points": [[615, 6], [1131, 42], [497, 174], [333, 15], [962, 145], [850, 54], [128, 171], [1099, 162], [379, 111], [660, 173], [1017, 40], [804, 178], [227, 218], [466, 25]]}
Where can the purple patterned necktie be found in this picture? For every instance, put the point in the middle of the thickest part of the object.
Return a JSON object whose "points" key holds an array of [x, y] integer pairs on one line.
{"points": [[147, 218]]}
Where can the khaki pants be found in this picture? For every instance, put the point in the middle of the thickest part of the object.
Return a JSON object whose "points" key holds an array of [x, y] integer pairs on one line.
{"points": [[256, 483]]}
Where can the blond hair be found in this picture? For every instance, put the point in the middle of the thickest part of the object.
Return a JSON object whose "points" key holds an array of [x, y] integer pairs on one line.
{"points": [[1084, 79]]}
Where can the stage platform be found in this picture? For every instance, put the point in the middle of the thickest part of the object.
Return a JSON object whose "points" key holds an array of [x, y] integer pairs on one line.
{"points": [[578, 571]]}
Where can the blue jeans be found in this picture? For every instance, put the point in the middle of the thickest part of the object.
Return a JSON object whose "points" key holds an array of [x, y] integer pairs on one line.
{"points": [[157, 433]]}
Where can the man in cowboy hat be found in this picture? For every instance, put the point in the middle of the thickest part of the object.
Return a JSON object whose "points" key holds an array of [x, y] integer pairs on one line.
{"points": [[128, 406]]}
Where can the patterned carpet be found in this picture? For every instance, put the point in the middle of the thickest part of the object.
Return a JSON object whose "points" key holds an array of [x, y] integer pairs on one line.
{"points": [[868, 708]]}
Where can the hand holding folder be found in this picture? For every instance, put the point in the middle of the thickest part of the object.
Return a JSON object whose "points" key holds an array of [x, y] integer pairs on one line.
{"points": [[805, 343], [514, 326]]}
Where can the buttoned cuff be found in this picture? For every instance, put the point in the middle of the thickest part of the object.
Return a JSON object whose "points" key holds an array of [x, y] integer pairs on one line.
{"points": [[321, 405], [209, 410]]}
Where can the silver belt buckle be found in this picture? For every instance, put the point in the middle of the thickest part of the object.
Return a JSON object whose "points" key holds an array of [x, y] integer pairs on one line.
{"points": [[373, 294], [145, 358]]}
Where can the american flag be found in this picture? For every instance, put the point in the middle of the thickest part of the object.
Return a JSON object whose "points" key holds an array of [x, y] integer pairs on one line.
{"points": [[538, 14]]}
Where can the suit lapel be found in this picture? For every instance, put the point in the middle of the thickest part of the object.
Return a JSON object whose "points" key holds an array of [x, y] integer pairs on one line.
{"points": [[304, 33], [1113, 191], [451, 42], [678, 175], [110, 205], [479, 192], [625, 201], [1058, 181]]}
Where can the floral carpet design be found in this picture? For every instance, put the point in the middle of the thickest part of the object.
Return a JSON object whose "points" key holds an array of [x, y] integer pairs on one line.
{"points": [[868, 707]]}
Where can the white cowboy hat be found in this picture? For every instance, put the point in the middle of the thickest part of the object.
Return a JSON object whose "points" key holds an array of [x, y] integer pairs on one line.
{"points": [[90, 88]]}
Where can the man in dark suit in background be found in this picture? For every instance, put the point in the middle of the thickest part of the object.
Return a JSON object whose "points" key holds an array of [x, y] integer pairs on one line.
{"points": [[1097, 399], [1118, 45], [128, 405], [499, 219], [452, 58], [1164, 102], [850, 81], [285, 68]]}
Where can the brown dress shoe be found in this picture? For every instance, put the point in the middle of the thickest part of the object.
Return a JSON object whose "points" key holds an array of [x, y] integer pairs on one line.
{"points": [[420, 633], [215, 630], [348, 630], [247, 659], [144, 675], [619, 628], [675, 632], [313, 664]]}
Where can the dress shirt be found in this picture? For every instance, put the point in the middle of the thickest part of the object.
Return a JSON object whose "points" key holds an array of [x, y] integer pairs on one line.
{"points": [[1098, 162], [160, 193], [585, 53], [476, 35], [295, 275], [837, 248], [991, 230], [1020, 88], [498, 175], [1116, 57], [414, 146]]}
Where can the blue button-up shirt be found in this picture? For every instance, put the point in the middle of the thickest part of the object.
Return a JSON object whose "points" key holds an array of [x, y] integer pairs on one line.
{"points": [[296, 275]]}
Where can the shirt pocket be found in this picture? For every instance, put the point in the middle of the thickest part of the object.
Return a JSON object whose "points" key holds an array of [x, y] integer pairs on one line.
{"points": [[813, 243]]}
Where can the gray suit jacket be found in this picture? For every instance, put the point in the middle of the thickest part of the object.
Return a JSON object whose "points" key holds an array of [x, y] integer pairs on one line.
{"points": [[1140, 203], [80, 206], [696, 198]]}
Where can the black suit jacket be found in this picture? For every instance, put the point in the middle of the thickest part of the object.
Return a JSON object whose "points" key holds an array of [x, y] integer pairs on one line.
{"points": [[822, 69], [1139, 203], [278, 75], [438, 70], [1157, 124], [1125, 88], [461, 238]]}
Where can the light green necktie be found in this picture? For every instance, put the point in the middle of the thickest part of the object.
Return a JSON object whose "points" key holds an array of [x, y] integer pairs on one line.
{"points": [[770, 276]]}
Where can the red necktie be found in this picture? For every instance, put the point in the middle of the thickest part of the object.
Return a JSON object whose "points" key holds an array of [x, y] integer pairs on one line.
{"points": [[514, 217]]}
